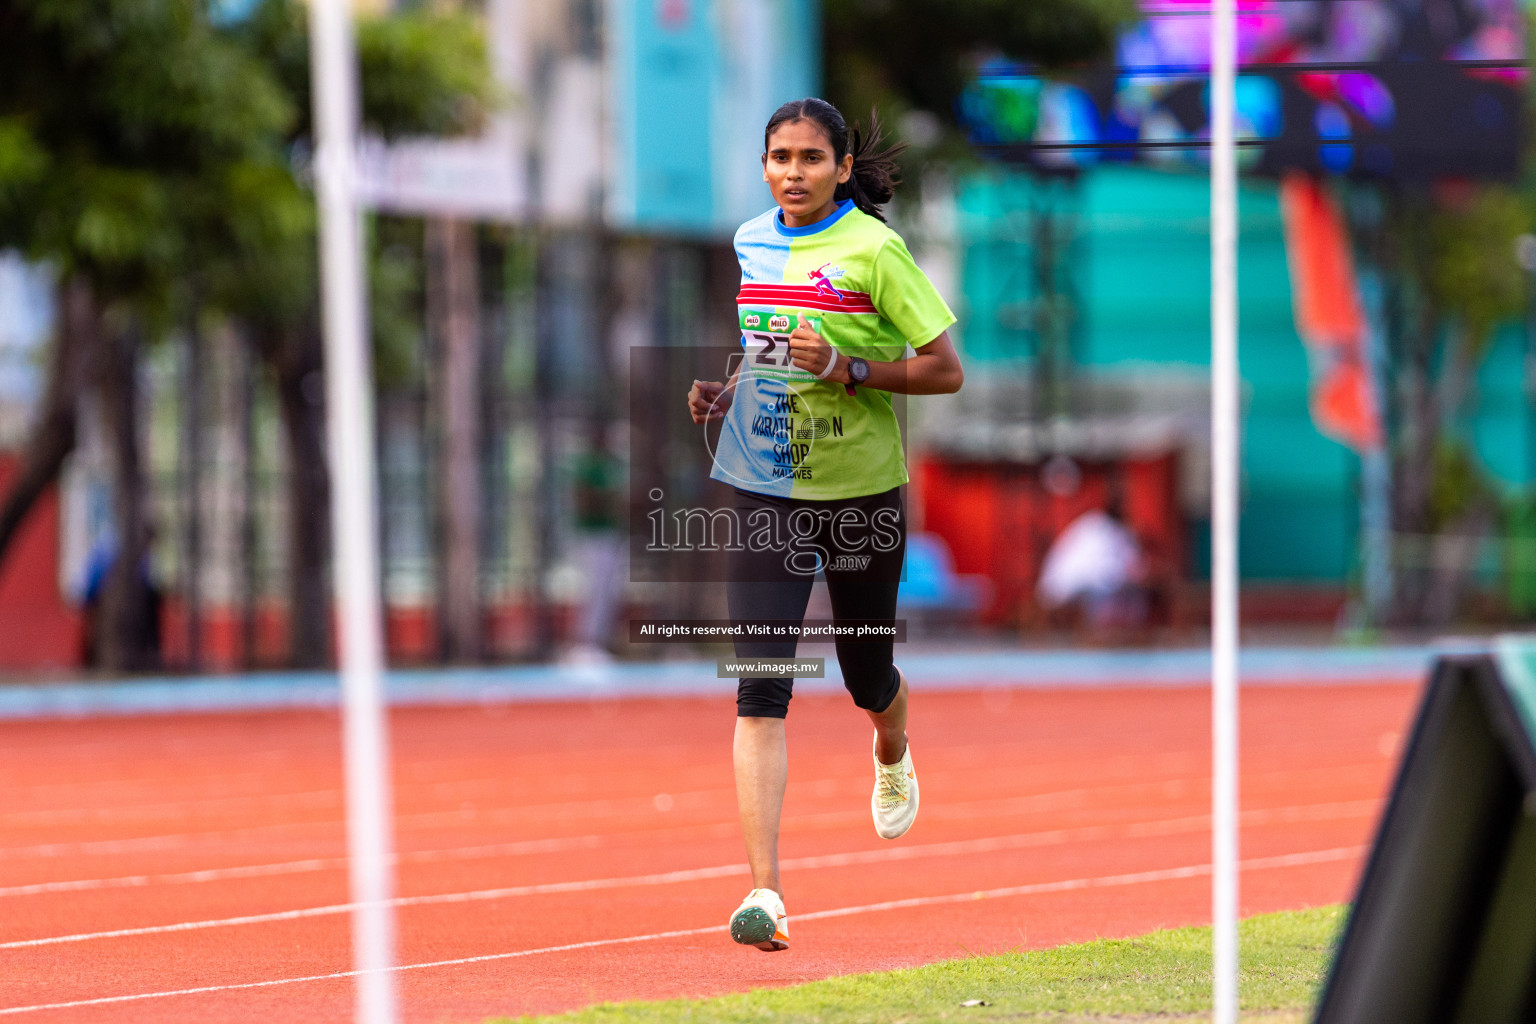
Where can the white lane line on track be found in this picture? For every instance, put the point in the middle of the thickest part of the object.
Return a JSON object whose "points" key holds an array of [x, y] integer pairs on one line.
{"points": [[965, 810], [177, 809], [147, 844], [465, 815], [1308, 812], [1053, 837], [412, 776], [1068, 885], [524, 847], [408, 791]]}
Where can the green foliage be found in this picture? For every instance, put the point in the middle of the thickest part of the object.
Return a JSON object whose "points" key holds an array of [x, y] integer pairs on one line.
{"points": [[424, 73], [137, 82], [156, 158], [1520, 554], [1165, 973], [262, 259], [1458, 484], [1452, 249], [121, 218], [395, 292], [22, 161], [120, 118], [1471, 272], [148, 149]]}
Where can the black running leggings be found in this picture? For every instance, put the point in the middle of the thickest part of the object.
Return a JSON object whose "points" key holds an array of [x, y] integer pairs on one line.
{"points": [[774, 582]]}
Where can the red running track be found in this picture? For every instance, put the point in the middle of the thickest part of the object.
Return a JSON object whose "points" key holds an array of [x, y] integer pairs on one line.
{"points": [[526, 830]]}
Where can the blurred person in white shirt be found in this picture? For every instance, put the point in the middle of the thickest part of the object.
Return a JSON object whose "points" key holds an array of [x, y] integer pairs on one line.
{"points": [[1096, 567]]}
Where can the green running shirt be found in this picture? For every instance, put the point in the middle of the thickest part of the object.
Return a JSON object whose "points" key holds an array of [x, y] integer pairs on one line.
{"points": [[852, 278]]}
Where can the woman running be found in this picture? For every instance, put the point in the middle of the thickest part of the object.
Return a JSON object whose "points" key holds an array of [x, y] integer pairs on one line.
{"points": [[830, 299]]}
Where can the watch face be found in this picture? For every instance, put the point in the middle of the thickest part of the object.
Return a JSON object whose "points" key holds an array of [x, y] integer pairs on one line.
{"points": [[858, 369]]}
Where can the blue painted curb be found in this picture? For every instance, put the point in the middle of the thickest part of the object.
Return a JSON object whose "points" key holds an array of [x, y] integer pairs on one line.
{"points": [[930, 669]]}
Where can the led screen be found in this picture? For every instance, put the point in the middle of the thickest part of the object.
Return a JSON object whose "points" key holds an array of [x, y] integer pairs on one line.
{"points": [[1363, 87]]}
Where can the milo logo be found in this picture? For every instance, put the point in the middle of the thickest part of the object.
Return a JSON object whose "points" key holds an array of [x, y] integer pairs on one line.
{"points": [[753, 320], [778, 323]]}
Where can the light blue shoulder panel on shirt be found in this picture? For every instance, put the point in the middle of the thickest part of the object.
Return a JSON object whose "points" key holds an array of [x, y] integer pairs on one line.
{"points": [[761, 250], [763, 253]]}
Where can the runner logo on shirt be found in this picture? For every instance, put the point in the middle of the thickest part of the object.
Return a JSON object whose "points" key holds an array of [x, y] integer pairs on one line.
{"points": [[822, 278]]}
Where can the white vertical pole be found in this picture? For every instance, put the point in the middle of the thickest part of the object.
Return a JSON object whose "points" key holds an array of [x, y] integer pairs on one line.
{"points": [[349, 420], [1224, 495]]}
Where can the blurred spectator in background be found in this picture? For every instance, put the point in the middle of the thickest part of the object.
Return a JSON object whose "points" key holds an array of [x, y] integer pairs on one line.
{"points": [[1095, 574], [145, 643], [599, 545]]}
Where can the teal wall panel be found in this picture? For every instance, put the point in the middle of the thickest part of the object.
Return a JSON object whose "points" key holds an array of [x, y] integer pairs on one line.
{"points": [[1142, 271], [691, 85], [1499, 416]]}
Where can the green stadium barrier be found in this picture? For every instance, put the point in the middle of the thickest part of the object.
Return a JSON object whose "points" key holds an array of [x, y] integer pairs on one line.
{"points": [[1443, 927]]}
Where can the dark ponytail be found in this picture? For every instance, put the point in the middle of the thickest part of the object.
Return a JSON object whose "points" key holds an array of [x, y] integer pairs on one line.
{"points": [[873, 181]]}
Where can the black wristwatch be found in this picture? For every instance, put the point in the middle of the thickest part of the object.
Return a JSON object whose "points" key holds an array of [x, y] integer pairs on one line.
{"points": [[858, 370]]}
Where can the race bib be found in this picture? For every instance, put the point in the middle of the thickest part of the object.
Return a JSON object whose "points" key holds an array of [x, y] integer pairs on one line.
{"points": [[766, 339]]}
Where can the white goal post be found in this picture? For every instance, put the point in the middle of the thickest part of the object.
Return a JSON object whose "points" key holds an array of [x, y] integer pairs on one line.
{"points": [[354, 510], [1225, 448]]}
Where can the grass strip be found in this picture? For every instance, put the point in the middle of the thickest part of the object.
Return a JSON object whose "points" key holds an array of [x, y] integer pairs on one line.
{"points": [[1164, 976]]}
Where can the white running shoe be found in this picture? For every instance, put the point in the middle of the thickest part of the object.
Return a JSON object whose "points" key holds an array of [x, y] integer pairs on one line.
{"points": [[760, 921], [894, 802]]}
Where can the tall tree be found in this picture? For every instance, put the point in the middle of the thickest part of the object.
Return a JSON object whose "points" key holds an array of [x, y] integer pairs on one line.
{"points": [[146, 153], [1449, 255], [453, 315], [125, 119], [422, 73]]}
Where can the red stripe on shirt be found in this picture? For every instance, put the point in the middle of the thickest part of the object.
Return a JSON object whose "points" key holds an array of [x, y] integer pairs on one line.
{"points": [[805, 295]]}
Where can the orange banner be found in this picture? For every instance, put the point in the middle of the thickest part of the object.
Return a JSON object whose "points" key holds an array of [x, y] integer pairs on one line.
{"points": [[1328, 314]]}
